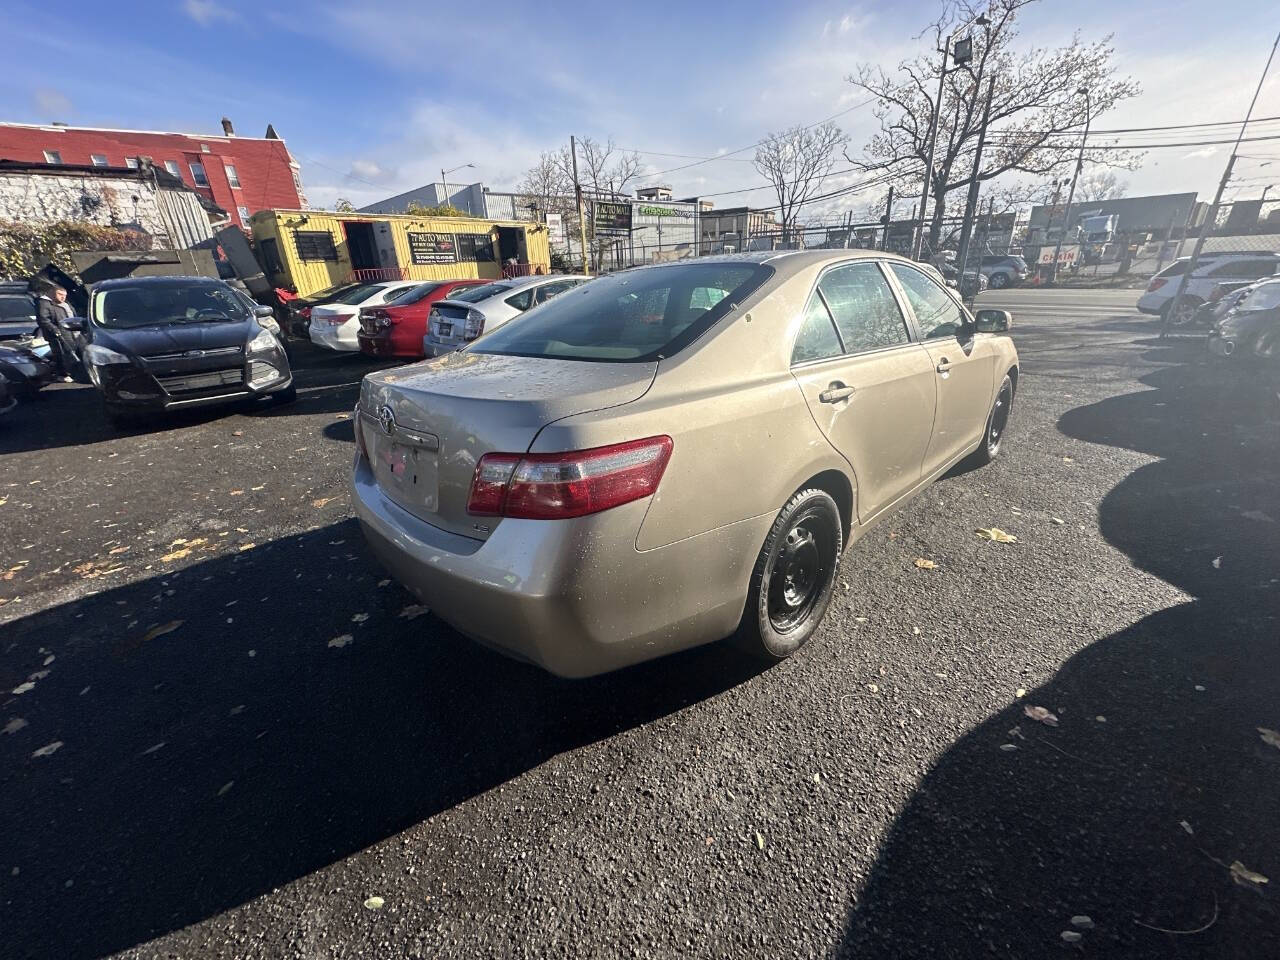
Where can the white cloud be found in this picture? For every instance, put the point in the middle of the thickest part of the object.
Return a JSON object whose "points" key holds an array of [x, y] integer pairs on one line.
{"points": [[54, 103], [370, 170], [1202, 152], [205, 12]]}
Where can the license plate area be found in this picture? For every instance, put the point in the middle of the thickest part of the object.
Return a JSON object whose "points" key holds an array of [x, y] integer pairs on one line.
{"points": [[444, 329], [407, 473]]}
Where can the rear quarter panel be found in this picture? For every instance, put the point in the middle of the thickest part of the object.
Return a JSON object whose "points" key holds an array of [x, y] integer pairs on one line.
{"points": [[743, 437]]}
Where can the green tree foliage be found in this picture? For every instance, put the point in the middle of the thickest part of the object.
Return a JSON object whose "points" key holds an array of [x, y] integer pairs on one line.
{"points": [[26, 247]]}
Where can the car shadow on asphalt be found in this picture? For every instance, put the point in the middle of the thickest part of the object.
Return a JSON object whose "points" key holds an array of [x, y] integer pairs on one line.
{"points": [[240, 724], [1156, 779]]}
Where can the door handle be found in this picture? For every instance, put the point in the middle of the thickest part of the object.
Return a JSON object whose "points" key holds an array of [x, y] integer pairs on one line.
{"points": [[944, 365], [835, 393]]}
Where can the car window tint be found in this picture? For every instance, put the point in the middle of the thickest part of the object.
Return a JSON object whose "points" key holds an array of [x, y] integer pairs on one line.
{"points": [[18, 307], [817, 339], [522, 300], [632, 315], [547, 291], [394, 293], [863, 307], [937, 314]]}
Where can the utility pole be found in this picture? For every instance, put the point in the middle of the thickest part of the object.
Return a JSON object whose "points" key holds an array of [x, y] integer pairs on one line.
{"points": [[1171, 311], [888, 219], [971, 204], [1066, 220], [582, 215]]}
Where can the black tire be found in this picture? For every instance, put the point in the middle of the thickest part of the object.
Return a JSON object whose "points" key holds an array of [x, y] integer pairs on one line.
{"points": [[282, 397], [997, 420], [1183, 314], [793, 577], [998, 281]]}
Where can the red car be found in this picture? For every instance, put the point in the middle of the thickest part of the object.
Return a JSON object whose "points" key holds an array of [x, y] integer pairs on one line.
{"points": [[397, 330]]}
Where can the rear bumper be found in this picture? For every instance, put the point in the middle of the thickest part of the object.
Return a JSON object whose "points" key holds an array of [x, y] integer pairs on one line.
{"points": [[335, 337], [574, 597], [1152, 303], [383, 344]]}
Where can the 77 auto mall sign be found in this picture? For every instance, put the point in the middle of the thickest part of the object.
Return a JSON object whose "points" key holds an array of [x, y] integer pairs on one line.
{"points": [[612, 219]]}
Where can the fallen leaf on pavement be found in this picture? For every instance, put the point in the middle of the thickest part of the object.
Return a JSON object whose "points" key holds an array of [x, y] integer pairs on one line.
{"points": [[321, 501], [1008, 747], [759, 839], [176, 555], [1041, 715], [161, 630], [413, 611], [1020, 692], [1246, 877], [374, 903], [1058, 520], [1187, 827], [225, 787], [1068, 460], [384, 583], [237, 493], [359, 617], [1269, 736], [924, 564], [996, 535], [14, 725], [1071, 936], [237, 433], [341, 641], [247, 546], [24, 687], [49, 748], [115, 550], [1082, 922], [344, 416], [1217, 563]]}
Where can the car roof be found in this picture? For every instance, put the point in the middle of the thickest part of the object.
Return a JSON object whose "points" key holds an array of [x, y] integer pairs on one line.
{"points": [[787, 262], [156, 281]]}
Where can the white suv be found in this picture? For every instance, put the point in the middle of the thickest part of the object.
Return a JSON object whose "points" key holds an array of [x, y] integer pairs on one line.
{"points": [[1212, 270]]}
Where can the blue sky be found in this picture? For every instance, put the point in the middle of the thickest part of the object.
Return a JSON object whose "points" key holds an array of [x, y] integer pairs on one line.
{"points": [[376, 98]]}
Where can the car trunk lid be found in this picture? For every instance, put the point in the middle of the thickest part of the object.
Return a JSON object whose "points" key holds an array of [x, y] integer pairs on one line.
{"points": [[426, 426]]}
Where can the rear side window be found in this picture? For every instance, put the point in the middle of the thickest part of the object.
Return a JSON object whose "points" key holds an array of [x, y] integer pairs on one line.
{"points": [[937, 314], [863, 307], [16, 307], [416, 294], [483, 292], [1245, 269], [521, 301], [817, 339]]}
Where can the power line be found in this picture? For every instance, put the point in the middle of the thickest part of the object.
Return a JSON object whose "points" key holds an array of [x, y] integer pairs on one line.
{"points": [[1174, 126], [1011, 141]]}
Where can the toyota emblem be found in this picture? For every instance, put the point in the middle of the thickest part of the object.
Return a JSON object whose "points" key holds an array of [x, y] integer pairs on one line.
{"points": [[387, 418]]}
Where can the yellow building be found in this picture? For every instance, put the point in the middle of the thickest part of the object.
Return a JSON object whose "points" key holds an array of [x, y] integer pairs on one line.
{"points": [[309, 250]]}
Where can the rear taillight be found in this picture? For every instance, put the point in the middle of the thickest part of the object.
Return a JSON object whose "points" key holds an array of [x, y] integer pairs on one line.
{"points": [[552, 486], [1155, 284], [379, 318], [474, 325]]}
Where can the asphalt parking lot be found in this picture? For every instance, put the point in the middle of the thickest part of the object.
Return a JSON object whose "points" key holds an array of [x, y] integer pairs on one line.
{"points": [[227, 731]]}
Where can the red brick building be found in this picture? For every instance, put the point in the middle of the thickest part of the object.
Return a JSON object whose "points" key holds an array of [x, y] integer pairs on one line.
{"points": [[240, 174]]}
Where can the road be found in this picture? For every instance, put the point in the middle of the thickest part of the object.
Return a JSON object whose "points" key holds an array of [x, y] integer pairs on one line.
{"points": [[228, 731]]}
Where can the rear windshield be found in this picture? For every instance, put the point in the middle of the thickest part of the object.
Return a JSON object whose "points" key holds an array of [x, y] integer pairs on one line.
{"points": [[635, 315], [1265, 296], [482, 292], [1175, 269], [327, 294], [414, 294], [356, 294], [16, 307], [121, 308]]}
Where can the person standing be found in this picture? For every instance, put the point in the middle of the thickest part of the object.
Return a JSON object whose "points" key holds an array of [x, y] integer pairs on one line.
{"points": [[51, 308]]}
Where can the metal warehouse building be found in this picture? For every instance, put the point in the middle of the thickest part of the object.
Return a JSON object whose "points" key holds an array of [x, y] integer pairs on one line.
{"points": [[309, 250]]}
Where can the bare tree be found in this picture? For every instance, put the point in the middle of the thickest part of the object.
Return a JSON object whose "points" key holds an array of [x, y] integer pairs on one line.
{"points": [[1036, 111], [1100, 185], [547, 185], [603, 170], [343, 205], [796, 162]]}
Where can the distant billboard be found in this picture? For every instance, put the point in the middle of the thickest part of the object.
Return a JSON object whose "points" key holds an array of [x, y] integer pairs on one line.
{"points": [[612, 219], [1067, 255]]}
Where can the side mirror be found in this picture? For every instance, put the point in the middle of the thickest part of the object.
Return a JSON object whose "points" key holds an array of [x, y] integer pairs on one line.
{"points": [[263, 311], [74, 324], [993, 321]]}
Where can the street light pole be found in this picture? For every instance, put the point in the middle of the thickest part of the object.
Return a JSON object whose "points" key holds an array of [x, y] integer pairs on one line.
{"points": [[444, 183], [1071, 191], [1171, 315], [960, 61]]}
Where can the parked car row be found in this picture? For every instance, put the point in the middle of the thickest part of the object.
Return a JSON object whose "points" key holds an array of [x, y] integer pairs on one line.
{"points": [[1216, 274], [1247, 329], [151, 344]]}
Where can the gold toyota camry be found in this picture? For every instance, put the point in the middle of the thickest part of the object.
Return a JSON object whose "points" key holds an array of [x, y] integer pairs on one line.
{"points": [[675, 454]]}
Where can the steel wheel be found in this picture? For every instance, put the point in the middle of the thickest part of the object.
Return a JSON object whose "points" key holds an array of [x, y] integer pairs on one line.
{"points": [[1182, 311], [796, 577], [999, 418]]}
